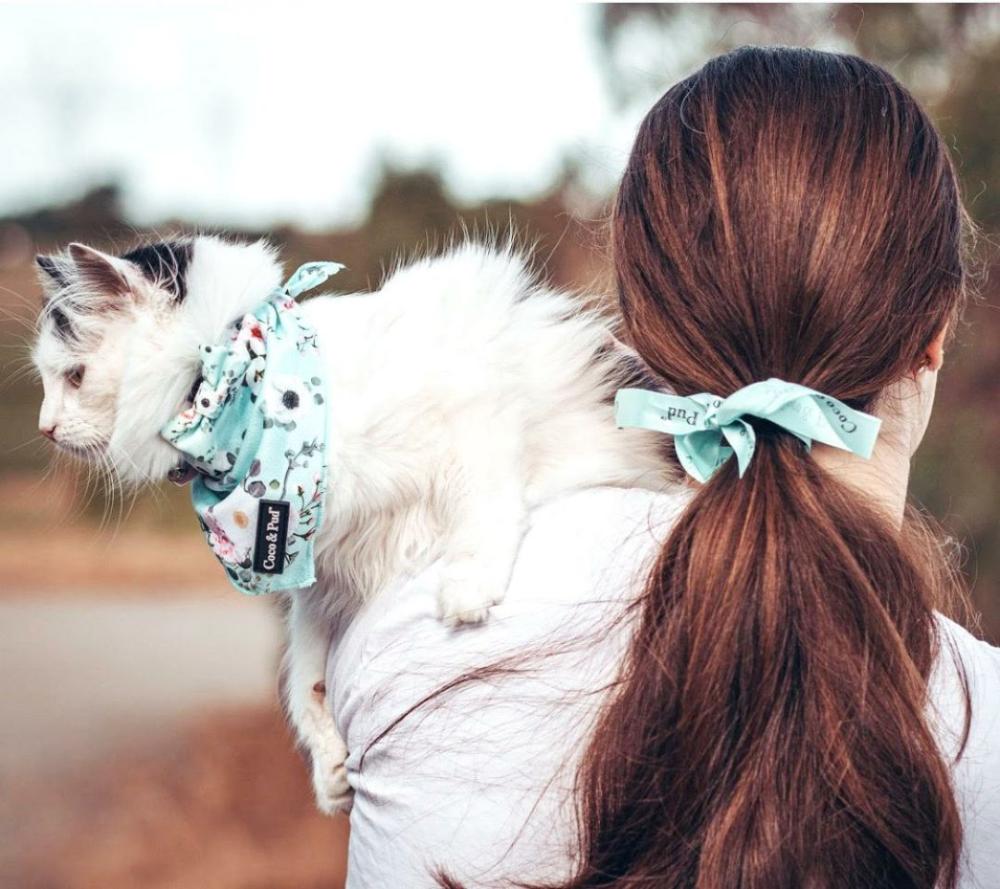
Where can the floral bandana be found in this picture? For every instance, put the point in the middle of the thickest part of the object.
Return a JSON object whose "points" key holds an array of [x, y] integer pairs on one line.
{"points": [[255, 436]]}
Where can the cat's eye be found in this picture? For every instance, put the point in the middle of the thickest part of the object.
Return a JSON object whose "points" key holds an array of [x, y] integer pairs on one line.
{"points": [[74, 376]]}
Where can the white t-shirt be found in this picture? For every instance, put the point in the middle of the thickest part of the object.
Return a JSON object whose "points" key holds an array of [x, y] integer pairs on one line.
{"points": [[478, 781]]}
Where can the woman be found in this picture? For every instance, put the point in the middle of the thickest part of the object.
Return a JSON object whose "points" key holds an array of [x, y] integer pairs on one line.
{"points": [[744, 682]]}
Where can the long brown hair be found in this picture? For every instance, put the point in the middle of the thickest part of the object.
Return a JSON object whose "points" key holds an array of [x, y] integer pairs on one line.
{"points": [[789, 213]]}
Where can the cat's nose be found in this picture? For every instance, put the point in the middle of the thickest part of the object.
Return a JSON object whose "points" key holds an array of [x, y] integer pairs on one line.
{"points": [[48, 431]]}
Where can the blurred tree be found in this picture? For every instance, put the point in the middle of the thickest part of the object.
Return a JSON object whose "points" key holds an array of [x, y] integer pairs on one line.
{"points": [[926, 45]]}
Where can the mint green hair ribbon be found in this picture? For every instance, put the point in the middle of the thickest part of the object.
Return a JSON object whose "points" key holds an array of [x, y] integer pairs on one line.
{"points": [[708, 430]]}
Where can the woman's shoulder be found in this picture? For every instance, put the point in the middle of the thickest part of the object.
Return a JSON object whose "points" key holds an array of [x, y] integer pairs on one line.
{"points": [[599, 533], [608, 506], [984, 657], [967, 669], [580, 560], [589, 544]]}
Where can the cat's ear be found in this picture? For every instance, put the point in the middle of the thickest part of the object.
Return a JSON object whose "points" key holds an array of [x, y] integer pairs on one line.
{"points": [[105, 274]]}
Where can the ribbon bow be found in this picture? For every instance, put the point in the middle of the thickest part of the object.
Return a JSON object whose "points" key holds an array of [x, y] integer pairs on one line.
{"points": [[708, 429]]}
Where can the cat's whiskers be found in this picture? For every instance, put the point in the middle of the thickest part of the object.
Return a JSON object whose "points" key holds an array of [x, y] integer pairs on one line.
{"points": [[23, 301], [96, 466], [23, 368], [66, 474], [135, 488], [118, 493], [24, 444]]}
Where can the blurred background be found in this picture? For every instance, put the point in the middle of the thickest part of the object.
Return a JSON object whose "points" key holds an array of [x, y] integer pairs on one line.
{"points": [[140, 741]]}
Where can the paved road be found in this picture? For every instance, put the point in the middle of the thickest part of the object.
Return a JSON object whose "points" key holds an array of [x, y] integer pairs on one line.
{"points": [[81, 676]]}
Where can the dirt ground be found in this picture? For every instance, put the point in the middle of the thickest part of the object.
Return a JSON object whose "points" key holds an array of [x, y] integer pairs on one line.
{"points": [[127, 562], [54, 542], [223, 805]]}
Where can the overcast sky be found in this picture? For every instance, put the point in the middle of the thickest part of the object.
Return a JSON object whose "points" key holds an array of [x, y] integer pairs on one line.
{"points": [[246, 114]]}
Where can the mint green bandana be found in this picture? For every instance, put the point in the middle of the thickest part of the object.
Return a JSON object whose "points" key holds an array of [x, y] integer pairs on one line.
{"points": [[256, 436], [708, 430]]}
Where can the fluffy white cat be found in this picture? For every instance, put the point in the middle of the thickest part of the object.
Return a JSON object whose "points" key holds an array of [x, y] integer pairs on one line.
{"points": [[461, 394]]}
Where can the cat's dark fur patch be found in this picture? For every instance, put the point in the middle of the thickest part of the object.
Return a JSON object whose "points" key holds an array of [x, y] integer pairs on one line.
{"points": [[63, 326], [52, 268], [165, 263]]}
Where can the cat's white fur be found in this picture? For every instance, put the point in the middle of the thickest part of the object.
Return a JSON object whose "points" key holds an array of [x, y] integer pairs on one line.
{"points": [[461, 394]]}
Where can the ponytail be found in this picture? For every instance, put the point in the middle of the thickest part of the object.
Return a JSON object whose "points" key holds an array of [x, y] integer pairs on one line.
{"points": [[768, 727]]}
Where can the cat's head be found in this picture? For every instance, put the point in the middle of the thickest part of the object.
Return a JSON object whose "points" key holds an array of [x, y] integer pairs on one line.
{"points": [[118, 337]]}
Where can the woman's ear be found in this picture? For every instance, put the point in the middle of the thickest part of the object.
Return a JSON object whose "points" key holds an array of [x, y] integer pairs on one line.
{"points": [[933, 357]]}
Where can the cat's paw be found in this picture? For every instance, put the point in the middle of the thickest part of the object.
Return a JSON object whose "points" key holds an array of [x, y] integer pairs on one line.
{"points": [[329, 778], [466, 596], [333, 792], [327, 749]]}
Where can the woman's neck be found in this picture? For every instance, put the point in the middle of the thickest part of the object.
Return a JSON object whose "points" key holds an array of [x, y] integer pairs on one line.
{"points": [[882, 480], [904, 408]]}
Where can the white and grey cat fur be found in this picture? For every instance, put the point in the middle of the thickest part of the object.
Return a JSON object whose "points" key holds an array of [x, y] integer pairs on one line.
{"points": [[462, 393]]}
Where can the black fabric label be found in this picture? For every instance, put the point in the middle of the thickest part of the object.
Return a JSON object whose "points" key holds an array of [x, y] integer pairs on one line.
{"points": [[272, 537]]}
